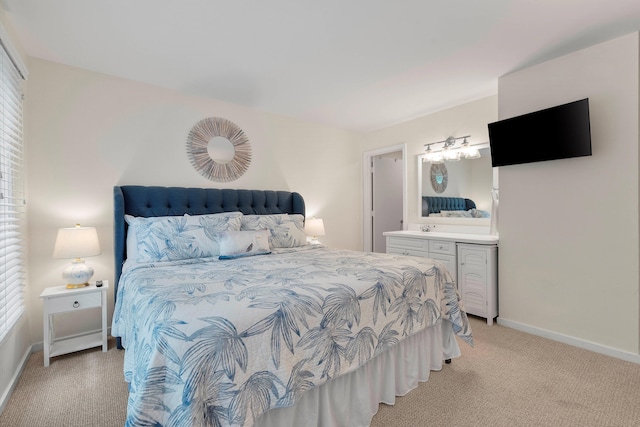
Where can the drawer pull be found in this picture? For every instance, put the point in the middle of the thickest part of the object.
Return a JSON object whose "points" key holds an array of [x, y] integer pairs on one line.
{"points": [[76, 304]]}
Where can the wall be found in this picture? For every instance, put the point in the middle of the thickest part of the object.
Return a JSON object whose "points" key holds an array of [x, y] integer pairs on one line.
{"points": [[467, 119], [568, 263], [88, 132]]}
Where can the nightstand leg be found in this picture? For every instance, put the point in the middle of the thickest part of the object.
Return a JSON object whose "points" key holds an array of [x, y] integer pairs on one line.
{"points": [[46, 337], [104, 321]]}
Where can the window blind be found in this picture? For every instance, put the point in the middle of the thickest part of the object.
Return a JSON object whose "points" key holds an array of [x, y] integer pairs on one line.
{"points": [[12, 196]]}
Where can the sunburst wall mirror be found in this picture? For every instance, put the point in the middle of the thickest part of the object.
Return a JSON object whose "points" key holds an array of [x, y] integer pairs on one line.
{"points": [[219, 149]]}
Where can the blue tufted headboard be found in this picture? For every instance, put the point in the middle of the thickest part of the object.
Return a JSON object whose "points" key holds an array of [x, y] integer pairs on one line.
{"points": [[435, 204], [151, 201]]}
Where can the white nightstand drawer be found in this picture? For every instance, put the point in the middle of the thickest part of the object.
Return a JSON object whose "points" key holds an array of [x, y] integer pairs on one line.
{"points": [[446, 247], [74, 302]]}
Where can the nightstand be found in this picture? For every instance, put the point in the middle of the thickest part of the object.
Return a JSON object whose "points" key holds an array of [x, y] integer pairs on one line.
{"points": [[59, 299]]}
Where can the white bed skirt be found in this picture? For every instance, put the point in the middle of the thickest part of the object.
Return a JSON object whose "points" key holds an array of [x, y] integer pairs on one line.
{"points": [[353, 399]]}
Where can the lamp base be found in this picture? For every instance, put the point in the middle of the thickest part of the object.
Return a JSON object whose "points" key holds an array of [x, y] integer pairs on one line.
{"points": [[75, 286], [77, 274]]}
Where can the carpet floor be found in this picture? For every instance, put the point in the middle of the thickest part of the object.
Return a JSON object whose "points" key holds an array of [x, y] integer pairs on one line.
{"points": [[510, 378]]}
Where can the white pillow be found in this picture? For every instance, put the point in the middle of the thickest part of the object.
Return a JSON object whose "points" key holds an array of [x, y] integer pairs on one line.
{"points": [[456, 214], [173, 238], [285, 231], [478, 213], [136, 227], [237, 244]]}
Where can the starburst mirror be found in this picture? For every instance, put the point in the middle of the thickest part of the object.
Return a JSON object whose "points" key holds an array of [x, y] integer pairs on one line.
{"points": [[219, 149]]}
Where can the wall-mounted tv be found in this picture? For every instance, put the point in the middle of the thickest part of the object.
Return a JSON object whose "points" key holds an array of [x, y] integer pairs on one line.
{"points": [[558, 132]]}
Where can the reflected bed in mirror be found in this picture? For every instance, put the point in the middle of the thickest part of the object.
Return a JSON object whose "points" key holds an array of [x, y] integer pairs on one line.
{"points": [[468, 191]]}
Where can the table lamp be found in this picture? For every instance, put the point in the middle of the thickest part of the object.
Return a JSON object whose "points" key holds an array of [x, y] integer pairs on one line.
{"points": [[314, 227], [76, 243]]}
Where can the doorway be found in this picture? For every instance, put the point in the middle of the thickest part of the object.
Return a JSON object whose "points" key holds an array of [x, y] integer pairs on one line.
{"points": [[384, 195]]}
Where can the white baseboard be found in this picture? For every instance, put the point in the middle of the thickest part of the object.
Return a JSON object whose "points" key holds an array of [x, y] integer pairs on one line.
{"points": [[23, 363], [14, 379], [576, 342]]}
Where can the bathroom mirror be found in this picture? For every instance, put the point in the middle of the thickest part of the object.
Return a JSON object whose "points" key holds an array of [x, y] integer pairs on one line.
{"points": [[468, 178]]}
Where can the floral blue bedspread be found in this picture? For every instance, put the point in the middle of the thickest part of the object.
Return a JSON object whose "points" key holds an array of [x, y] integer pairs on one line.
{"points": [[219, 342]]}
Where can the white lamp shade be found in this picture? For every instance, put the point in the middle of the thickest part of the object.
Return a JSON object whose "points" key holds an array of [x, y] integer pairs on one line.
{"points": [[314, 227], [76, 242]]}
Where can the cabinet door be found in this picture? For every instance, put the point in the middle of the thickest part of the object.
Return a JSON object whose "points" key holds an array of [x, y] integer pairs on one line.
{"points": [[478, 279], [472, 279]]}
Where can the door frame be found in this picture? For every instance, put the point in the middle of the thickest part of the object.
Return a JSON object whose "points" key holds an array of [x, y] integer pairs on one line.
{"points": [[367, 188]]}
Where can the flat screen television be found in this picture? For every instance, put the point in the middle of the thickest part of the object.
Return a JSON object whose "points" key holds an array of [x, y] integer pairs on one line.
{"points": [[559, 132]]}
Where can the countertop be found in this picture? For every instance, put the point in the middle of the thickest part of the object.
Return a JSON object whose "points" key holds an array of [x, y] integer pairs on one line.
{"points": [[484, 239]]}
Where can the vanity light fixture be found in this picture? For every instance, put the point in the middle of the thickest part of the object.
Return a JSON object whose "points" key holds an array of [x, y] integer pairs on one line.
{"points": [[450, 152], [467, 151], [435, 158]]}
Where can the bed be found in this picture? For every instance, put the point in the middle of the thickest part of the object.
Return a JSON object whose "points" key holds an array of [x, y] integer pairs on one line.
{"points": [[436, 204], [451, 207], [220, 328]]}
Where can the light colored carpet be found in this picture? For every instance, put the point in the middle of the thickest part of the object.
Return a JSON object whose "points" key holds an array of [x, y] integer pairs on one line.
{"points": [[509, 378]]}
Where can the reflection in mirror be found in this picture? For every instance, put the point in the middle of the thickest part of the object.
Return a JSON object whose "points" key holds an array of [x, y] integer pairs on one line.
{"points": [[221, 150], [467, 178], [439, 177]]}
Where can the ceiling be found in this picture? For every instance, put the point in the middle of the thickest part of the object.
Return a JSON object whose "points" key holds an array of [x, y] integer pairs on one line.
{"points": [[355, 64]]}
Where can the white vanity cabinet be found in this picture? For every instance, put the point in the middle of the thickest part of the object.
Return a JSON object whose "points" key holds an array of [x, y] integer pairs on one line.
{"points": [[478, 279], [472, 260], [440, 250]]}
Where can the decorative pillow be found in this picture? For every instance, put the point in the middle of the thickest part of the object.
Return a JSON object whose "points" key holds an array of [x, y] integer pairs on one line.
{"points": [[173, 238], [285, 231], [478, 213], [455, 214], [237, 244]]}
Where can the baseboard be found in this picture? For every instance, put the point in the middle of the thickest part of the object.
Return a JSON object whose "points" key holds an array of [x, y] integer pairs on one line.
{"points": [[14, 380], [39, 345], [576, 342], [23, 363]]}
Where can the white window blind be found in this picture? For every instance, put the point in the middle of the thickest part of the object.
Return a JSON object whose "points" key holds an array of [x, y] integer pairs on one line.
{"points": [[12, 197]]}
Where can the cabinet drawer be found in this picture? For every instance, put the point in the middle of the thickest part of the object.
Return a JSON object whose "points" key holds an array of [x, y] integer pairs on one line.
{"points": [[442, 247], [74, 302], [449, 261], [411, 244], [401, 251]]}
